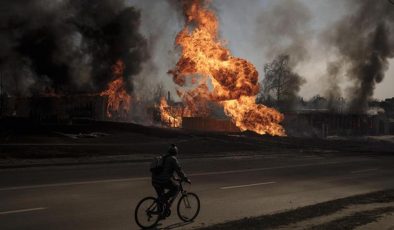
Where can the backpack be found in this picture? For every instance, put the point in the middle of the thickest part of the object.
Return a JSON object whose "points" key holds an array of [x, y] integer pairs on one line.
{"points": [[157, 164]]}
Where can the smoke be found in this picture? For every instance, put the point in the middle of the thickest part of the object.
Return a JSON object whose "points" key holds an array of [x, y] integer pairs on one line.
{"points": [[293, 28], [68, 46], [160, 24], [333, 91], [283, 28], [364, 42], [282, 32], [262, 30]]}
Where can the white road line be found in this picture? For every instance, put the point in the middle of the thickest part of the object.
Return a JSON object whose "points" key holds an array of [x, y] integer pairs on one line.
{"points": [[265, 169], [247, 185], [363, 171], [148, 178], [22, 210], [353, 176]]}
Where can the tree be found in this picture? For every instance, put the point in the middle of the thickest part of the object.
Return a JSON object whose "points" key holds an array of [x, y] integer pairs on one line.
{"points": [[280, 85]]}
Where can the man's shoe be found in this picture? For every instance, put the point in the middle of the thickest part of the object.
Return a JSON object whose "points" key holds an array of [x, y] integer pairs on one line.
{"points": [[166, 213], [159, 209]]}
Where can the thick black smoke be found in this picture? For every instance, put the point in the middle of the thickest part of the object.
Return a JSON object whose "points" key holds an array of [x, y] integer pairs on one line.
{"points": [[364, 41], [67, 45]]}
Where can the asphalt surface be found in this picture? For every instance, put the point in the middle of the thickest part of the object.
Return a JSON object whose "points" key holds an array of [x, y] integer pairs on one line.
{"points": [[104, 196]]}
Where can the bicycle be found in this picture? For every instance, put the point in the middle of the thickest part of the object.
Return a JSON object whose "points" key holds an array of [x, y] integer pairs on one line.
{"points": [[188, 208]]}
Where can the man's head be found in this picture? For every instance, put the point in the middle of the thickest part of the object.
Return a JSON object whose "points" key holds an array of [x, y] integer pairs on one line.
{"points": [[173, 150]]}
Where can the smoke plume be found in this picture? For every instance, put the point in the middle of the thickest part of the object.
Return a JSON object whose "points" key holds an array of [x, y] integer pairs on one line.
{"points": [[282, 31], [159, 26], [68, 46], [283, 28], [333, 91], [364, 42]]}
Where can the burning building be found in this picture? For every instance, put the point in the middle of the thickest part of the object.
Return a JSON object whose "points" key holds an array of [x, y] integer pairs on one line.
{"points": [[114, 103], [86, 60]]}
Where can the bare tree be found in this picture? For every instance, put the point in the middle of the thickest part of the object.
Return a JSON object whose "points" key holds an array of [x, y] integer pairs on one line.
{"points": [[280, 85]]}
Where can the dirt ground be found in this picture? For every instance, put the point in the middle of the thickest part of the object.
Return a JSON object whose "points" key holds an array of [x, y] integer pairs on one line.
{"points": [[26, 140]]}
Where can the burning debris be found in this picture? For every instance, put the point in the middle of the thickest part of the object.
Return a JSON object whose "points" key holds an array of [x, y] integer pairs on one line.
{"points": [[119, 101], [170, 115], [217, 76]]}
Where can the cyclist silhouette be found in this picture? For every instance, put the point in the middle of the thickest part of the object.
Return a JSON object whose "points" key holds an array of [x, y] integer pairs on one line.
{"points": [[163, 179]]}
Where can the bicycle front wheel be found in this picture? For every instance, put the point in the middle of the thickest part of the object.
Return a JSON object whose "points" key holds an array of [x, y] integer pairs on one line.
{"points": [[188, 207], [146, 213]]}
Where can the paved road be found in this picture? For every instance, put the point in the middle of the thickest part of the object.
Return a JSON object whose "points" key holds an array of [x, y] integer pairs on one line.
{"points": [[104, 196]]}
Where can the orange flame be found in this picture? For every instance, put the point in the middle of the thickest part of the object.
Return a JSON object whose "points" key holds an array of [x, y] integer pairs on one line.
{"points": [[219, 76], [116, 92], [171, 116]]}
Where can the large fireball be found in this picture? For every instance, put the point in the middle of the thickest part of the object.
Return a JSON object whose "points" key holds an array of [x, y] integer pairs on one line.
{"points": [[219, 77]]}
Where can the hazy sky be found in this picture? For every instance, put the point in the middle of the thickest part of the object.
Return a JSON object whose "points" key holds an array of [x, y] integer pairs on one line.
{"points": [[239, 26]]}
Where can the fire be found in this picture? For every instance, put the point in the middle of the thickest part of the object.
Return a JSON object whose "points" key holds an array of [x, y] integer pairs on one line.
{"points": [[171, 116], [118, 98], [218, 76]]}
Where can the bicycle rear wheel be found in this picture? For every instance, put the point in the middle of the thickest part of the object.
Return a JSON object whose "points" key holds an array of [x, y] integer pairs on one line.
{"points": [[188, 207], [146, 213]]}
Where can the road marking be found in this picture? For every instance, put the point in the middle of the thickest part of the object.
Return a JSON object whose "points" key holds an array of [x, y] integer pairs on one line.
{"points": [[22, 210], [148, 178], [248, 185], [265, 169], [363, 171]]}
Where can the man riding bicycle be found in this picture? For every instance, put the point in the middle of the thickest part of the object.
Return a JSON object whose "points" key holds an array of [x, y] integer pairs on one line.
{"points": [[163, 179]]}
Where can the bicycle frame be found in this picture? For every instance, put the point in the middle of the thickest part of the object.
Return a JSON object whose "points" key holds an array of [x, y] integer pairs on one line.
{"points": [[181, 190]]}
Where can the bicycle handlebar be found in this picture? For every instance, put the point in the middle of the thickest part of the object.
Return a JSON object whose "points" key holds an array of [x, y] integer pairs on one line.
{"points": [[182, 180]]}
